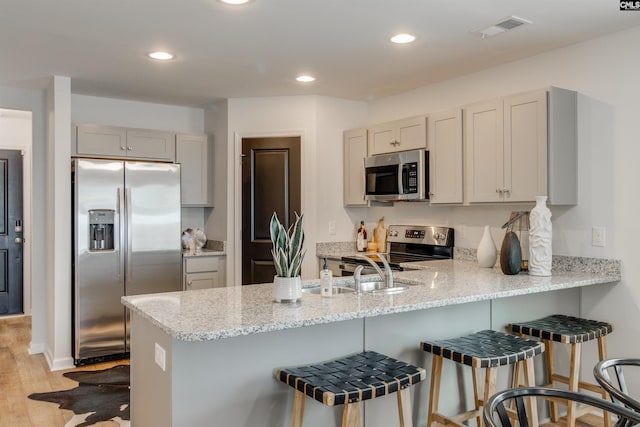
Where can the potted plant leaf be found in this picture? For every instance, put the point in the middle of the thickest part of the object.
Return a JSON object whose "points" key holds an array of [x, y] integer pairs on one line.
{"points": [[287, 258]]}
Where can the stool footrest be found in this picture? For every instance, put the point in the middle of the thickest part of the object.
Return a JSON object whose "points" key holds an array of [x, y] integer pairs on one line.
{"points": [[581, 384], [446, 421]]}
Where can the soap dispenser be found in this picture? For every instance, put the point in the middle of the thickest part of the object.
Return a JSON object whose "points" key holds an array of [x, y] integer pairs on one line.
{"points": [[326, 280]]}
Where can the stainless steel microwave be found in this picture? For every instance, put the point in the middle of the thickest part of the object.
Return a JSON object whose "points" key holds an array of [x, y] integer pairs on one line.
{"points": [[397, 176]]}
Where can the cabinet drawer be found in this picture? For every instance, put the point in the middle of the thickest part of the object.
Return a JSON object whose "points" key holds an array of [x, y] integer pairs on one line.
{"points": [[199, 264]]}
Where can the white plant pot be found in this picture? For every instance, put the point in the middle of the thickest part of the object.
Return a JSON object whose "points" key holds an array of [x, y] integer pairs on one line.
{"points": [[287, 289]]}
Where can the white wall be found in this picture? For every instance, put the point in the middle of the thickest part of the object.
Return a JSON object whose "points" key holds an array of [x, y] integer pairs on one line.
{"points": [[320, 122], [16, 133], [34, 101], [602, 71], [135, 114], [216, 124]]}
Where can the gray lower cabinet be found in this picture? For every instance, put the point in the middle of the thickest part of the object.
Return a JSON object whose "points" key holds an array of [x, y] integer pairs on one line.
{"points": [[120, 142], [203, 272]]}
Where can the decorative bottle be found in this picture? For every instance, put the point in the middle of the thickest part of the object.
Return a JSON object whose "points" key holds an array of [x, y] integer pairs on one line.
{"points": [[361, 242], [380, 236], [487, 251], [540, 234]]}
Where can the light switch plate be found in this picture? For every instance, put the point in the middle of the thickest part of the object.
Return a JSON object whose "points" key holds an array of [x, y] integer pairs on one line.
{"points": [[332, 228], [598, 236], [161, 357]]}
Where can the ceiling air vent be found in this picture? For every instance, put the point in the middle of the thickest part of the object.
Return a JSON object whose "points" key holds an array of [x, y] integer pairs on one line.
{"points": [[500, 27]]}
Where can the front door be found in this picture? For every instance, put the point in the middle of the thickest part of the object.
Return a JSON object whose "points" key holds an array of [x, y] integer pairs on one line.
{"points": [[270, 183], [11, 232]]}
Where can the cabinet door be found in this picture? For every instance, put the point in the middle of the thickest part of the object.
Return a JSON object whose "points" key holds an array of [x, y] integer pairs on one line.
{"points": [[411, 133], [445, 157], [354, 150], [201, 281], [525, 146], [194, 154], [151, 144], [103, 141], [399, 135], [382, 138], [484, 151]]}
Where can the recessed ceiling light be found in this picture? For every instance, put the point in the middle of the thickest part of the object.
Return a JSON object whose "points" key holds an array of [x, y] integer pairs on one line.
{"points": [[161, 56], [306, 79], [235, 2], [403, 38]]}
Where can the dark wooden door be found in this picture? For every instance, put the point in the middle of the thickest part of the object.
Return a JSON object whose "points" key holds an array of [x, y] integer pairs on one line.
{"points": [[270, 182], [11, 240]]}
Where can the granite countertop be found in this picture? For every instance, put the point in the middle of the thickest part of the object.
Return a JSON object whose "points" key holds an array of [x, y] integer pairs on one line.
{"points": [[203, 252], [213, 314]]}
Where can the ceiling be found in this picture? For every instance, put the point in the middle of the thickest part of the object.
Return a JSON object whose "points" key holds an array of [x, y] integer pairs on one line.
{"points": [[258, 49]]}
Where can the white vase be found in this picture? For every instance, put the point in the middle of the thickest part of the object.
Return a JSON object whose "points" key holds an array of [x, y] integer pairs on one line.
{"points": [[540, 234], [287, 289], [487, 252]]}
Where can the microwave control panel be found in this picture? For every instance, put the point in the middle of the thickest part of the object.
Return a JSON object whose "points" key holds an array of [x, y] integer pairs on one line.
{"points": [[411, 180]]}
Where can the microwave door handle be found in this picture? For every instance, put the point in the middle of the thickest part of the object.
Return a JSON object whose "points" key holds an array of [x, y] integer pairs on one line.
{"points": [[400, 180]]}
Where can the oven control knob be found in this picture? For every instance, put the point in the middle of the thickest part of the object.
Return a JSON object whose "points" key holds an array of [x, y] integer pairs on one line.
{"points": [[393, 233], [439, 236]]}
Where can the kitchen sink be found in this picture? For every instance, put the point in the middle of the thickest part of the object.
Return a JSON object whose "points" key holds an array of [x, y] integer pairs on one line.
{"points": [[336, 290], [389, 291]]}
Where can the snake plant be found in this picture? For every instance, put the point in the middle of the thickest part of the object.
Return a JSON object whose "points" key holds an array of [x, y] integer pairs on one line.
{"points": [[287, 246]]}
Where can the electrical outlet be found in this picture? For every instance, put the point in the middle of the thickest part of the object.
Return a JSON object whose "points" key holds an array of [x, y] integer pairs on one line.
{"points": [[161, 357], [332, 228], [461, 231], [598, 236]]}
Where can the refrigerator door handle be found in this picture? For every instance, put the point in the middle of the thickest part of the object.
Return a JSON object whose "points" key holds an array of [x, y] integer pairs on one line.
{"points": [[129, 236], [121, 209]]}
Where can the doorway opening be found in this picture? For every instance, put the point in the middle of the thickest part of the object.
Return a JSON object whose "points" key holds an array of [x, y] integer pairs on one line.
{"points": [[16, 131], [270, 183]]}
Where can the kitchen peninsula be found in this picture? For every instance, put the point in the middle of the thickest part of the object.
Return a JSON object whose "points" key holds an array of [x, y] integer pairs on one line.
{"points": [[221, 347]]}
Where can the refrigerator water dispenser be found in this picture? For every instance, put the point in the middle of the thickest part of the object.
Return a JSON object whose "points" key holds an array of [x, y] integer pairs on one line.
{"points": [[101, 229]]}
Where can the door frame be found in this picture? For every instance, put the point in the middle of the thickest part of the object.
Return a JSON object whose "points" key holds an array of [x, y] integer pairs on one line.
{"points": [[27, 197], [234, 198]]}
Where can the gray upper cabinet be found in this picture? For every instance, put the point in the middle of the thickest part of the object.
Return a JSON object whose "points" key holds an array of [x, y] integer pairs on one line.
{"points": [[522, 146], [119, 142], [354, 152], [195, 154], [445, 157], [398, 135]]}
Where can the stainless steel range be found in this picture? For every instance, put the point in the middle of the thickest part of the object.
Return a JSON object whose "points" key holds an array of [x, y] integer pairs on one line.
{"points": [[408, 243]]}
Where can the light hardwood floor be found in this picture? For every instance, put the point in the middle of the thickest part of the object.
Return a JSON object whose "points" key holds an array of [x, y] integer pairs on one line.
{"points": [[22, 374]]}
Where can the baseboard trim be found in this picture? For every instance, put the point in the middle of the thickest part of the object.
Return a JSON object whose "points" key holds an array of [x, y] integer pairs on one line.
{"points": [[58, 364]]}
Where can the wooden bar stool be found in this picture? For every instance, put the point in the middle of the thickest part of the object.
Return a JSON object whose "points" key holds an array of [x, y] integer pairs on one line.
{"points": [[351, 380], [482, 350], [573, 331]]}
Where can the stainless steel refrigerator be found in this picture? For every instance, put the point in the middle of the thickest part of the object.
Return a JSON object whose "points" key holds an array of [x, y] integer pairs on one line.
{"points": [[126, 242]]}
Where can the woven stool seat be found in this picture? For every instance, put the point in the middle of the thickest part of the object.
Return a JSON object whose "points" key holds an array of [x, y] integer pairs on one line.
{"points": [[363, 376], [563, 329], [485, 349]]}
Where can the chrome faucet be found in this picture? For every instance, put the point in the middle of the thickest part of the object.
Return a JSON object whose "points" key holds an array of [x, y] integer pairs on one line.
{"points": [[386, 275]]}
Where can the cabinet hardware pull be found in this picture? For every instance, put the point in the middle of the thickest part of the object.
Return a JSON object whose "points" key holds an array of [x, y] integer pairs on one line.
{"points": [[129, 148], [123, 147]]}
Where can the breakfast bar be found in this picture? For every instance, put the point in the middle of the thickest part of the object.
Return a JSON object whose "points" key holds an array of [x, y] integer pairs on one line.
{"points": [[208, 357]]}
